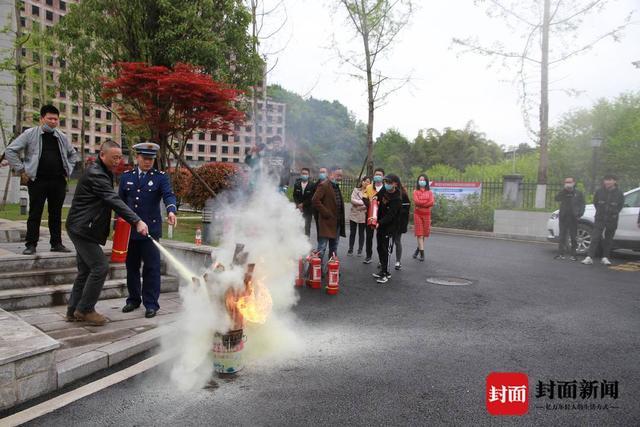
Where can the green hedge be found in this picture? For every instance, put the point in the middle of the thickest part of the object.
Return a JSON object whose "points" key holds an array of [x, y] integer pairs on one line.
{"points": [[468, 214]]}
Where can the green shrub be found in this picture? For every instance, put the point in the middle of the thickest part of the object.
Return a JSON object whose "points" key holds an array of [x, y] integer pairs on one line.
{"points": [[467, 214]]}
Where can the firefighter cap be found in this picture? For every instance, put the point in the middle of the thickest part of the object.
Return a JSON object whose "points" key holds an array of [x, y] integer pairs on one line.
{"points": [[147, 149]]}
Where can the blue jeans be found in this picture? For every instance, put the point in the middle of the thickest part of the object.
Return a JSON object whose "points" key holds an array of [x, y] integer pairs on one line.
{"points": [[322, 247]]}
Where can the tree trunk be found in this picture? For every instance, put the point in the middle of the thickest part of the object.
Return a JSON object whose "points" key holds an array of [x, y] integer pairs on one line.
{"points": [[370, 96], [544, 111], [20, 72], [82, 130]]}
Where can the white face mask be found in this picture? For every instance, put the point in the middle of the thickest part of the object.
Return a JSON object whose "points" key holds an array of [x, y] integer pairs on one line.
{"points": [[569, 186]]}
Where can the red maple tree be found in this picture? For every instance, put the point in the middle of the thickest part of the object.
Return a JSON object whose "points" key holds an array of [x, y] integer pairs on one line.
{"points": [[170, 104]]}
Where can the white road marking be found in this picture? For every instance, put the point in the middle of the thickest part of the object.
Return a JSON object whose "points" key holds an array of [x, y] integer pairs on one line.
{"points": [[84, 391]]}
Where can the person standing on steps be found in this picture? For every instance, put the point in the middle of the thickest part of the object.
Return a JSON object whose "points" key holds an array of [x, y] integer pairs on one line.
{"points": [[423, 201], [49, 160], [88, 225], [142, 189]]}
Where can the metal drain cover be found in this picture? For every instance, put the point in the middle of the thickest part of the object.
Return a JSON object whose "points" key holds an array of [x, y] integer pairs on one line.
{"points": [[449, 281]]}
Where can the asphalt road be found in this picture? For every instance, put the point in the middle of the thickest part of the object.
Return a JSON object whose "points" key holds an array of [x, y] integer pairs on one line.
{"points": [[411, 353]]}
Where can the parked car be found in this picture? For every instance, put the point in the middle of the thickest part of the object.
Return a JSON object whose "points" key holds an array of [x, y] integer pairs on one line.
{"points": [[627, 235]]}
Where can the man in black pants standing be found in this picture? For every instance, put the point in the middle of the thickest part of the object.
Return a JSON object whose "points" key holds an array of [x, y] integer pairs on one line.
{"points": [[571, 209], [302, 195], [49, 159]]}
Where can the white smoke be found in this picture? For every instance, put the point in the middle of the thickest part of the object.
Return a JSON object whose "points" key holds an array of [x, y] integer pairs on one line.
{"points": [[271, 229]]}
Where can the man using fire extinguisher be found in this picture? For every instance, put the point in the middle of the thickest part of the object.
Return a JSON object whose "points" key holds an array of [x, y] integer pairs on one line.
{"points": [[390, 205], [142, 189], [327, 200]]}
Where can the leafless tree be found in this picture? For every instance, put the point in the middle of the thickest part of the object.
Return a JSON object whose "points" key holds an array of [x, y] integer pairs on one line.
{"points": [[549, 31]]}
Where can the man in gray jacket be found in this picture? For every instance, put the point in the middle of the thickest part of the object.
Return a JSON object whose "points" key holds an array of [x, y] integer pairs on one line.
{"points": [[49, 159]]}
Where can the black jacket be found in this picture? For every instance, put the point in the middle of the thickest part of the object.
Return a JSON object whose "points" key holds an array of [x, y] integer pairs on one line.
{"points": [[608, 204], [389, 207], [404, 213], [571, 203], [305, 196], [90, 213]]}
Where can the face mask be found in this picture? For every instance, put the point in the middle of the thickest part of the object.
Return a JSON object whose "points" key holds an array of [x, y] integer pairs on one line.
{"points": [[422, 183], [304, 177], [388, 187], [377, 179], [568, 186], [322, 176], [47, 128], [334, 181]]}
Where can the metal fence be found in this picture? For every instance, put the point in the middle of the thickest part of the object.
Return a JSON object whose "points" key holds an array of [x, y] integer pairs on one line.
{"points": [[491, 194]]}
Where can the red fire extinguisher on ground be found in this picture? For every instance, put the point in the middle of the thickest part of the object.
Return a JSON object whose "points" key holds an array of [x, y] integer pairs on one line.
{"points": [[300, 275], [120, 241], [334, 275], [315, 271], [372, 214]]}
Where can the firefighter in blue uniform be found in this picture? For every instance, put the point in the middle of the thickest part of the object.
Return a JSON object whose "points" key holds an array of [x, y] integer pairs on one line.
{"points": [[142, 188]]}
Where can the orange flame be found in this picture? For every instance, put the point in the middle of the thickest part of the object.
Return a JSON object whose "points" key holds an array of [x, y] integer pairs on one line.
{"points": [[256, 305]]}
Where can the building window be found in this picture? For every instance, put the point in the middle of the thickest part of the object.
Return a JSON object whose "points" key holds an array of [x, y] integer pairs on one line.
{"points": [[236, 138], [201, 158], [49, 2], [225, 149], [280, 108], [248, 128], [63, 63], [24, 52], [63, 107], [269, 129], [269, 119], [258, 139], [86, 112], [87, 151], [108, 115], [247, 139], [246, 150], [98, 114], [236, 128], [213, 148], [63, 122], [279, 119], [87, 139], [200, 148], [74, 109], [259, 129], [63, 5], [189, 147], [49, 15], [74, 137], [279, 131], [236, 160], [236, 150], [212, 159], [225, 138], [36, 103], [35, 10], [224, 159], [23, 21], [98, 140], [74, 124], [201, 136], [97, 127], [108, 129]]}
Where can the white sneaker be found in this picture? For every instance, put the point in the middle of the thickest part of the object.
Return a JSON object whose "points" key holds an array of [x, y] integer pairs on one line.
{"points": [[398, 265], [605, 261], [587, 261], [384, 279]]}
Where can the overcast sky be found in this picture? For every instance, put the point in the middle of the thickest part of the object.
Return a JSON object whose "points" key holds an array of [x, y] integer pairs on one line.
{"points": [[448, 88]]}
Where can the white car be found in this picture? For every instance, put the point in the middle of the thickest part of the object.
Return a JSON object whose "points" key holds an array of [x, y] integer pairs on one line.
{"points": [[627, 235]]}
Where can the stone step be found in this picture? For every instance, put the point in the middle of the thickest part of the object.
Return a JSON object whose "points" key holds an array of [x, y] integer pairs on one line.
{"points": [[50, 277], [40, 261], [46, 296]]}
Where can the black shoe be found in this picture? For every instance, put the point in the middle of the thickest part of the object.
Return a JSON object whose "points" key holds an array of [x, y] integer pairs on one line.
{"points": [[350, 252], [129, 308], [421, 256], [150, 313], [29, 250], [360, 252], [415, 254], [398, 265], [367, 261], [60, 248]]}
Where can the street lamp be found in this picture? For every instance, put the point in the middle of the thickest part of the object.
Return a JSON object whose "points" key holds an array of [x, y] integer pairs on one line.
{"points": [[596, 142]]}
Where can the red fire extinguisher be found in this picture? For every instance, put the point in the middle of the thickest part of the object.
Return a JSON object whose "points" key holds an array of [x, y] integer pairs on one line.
{"points": [[334, 275], [372, 214], [300, 275], [120, 241], [315, 271]]}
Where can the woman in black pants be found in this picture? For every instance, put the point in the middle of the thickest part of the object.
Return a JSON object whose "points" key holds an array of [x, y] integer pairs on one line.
{"points": [[389, 206], [404, 225], [358, 216]]}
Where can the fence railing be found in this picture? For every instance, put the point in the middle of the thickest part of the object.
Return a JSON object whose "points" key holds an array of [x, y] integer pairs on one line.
{"points": [[491, 193]]}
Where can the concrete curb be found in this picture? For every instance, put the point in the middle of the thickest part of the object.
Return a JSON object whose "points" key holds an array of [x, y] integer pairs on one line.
{"points": [[104, 357], [489, 235]]}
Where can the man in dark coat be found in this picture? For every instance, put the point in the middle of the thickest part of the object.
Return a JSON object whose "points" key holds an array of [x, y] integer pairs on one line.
{"points": [[608, 201], [389, 222], [327, 200], [571, 210], [88, 226], [302, 195]]}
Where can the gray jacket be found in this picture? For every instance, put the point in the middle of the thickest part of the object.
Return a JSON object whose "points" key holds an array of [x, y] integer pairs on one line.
{"points": [[30, 141]]}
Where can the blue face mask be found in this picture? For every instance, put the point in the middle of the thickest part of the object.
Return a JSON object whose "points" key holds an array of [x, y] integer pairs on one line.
{"points": [[377, 178], [388, 187], [422, 183], [333, 180], [304, 177], [322, 176]]}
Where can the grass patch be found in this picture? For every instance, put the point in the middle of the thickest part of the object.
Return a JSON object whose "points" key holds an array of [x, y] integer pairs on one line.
{"points": [[186, 229], [12, 213]]}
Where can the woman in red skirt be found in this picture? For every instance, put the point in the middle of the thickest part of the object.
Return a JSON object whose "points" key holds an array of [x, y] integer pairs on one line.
{"points": [[423, 201]]}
